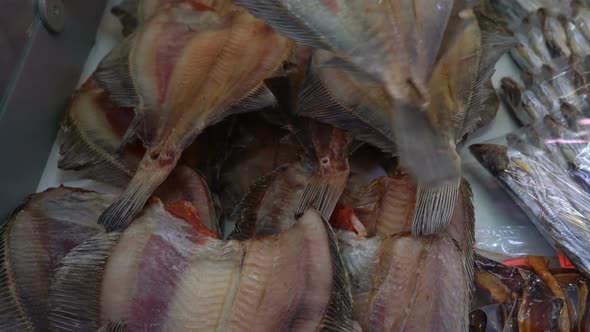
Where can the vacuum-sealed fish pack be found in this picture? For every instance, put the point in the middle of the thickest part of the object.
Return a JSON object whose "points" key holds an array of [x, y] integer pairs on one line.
{"points": [[529, 295]]}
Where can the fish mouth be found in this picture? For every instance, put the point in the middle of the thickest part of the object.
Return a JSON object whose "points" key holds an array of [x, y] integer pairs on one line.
{"points": [[493, 157]]}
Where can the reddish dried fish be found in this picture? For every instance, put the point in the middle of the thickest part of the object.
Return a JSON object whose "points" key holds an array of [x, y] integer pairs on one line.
{"points": [[162, 273], [188, 69], [393, 48], [93, 133], [33, 241], [461, 100], [391, 273], [275, 201]]}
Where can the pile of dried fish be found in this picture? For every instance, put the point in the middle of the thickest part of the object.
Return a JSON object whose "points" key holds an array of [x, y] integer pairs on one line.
{"points": [[530, 298], [166, 272], [236, 130], [545, 164]]}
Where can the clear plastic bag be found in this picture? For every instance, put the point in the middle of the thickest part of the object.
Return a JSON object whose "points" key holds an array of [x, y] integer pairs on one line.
{"points": [[539, 166], [504, 242]]}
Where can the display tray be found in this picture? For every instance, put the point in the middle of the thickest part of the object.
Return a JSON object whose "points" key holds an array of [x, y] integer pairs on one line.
{"points": [[499, 221]]}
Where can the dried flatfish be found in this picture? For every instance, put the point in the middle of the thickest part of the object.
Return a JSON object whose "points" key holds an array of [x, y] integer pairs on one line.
{"points": [[162, 273], [179, 65], [93, 133], [276, 200], [387, 41], [391, 273], [33, 241]]}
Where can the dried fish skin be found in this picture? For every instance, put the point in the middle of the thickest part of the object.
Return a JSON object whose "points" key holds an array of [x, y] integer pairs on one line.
{"points": [[328, 272], [335, 96], [496, 41], [33, 241], [256, 149], [274, 201], [166, 247], [454, 77], [170, 114], [386, 207], [271, 203]]}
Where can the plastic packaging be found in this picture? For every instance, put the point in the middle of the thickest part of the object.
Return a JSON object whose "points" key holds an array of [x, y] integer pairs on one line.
{"points": [[504, 242], [545, 165], [538, 168], [528, 297]]}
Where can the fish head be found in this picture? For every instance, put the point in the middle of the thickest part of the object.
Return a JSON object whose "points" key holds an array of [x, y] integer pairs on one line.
{"points": [[493, 157], [331, 148], [512, 91], [570, 113], [553, 125]]}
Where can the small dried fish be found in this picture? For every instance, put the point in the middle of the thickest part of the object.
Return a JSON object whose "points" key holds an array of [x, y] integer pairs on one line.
{"points": [[525, 105], [525, 57], [536, 39], [577, 42], [549, 97], [374, 31], [557, 206], [555, 34], [582, 20], [567, 90], [168, 114]]}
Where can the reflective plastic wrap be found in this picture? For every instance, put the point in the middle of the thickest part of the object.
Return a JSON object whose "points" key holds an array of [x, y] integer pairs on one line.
{"points": [[542, 166], [504, 242], [532, 296]]}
